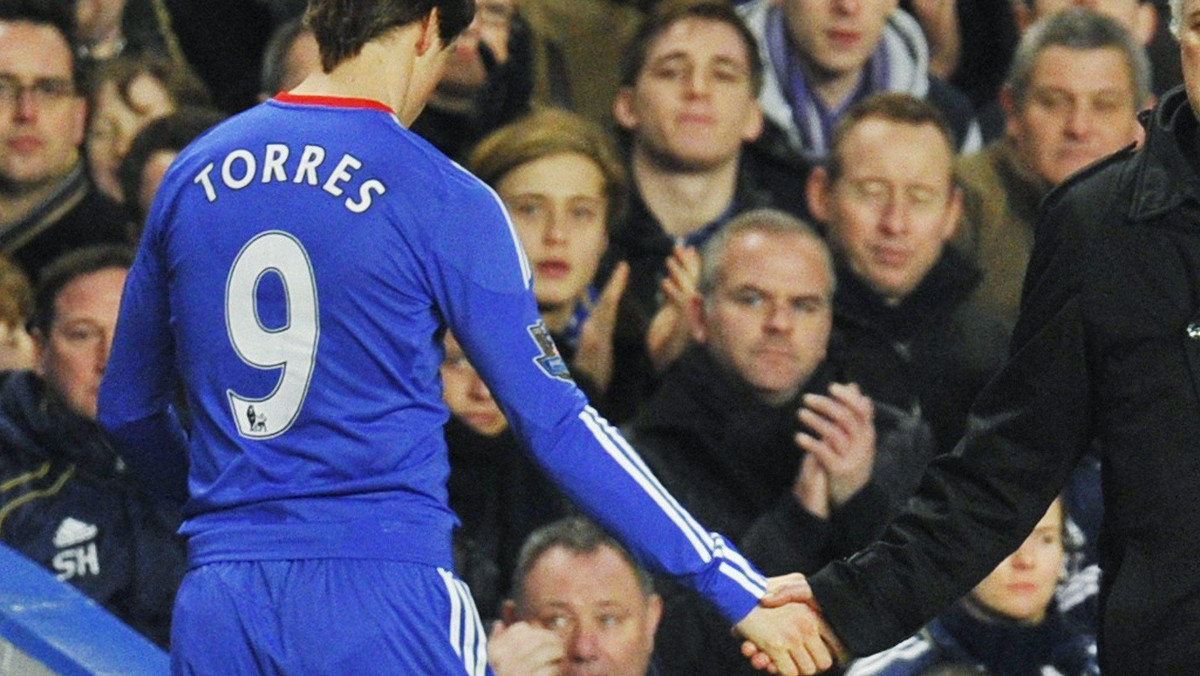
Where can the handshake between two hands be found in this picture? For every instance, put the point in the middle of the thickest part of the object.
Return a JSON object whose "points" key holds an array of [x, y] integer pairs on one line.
{"points": [[785, 634]]}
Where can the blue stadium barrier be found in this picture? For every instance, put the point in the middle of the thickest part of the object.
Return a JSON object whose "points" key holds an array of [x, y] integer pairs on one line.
{"points": [[50, 623]]}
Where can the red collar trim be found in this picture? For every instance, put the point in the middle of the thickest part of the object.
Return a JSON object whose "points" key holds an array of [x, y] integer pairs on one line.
{"points": [[333, 101]]}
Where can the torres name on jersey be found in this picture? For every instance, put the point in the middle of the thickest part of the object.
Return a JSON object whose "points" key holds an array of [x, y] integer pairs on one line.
{"points": [[276, 162]]}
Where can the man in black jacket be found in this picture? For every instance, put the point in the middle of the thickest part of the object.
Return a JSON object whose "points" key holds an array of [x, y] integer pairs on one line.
{"points": [[65, 499], [903, 328], [47, 204], [1106, 351], [750, 434]]}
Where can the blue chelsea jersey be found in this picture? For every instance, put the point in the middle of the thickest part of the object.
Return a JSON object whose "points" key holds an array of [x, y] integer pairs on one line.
{"points": [[295, 276]]}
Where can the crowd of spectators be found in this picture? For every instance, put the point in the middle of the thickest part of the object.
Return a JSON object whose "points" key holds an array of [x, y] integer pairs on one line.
{"points": [[780, 242]]}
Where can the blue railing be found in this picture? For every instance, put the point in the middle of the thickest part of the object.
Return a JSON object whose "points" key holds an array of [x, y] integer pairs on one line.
{"points": [[68, 633]]}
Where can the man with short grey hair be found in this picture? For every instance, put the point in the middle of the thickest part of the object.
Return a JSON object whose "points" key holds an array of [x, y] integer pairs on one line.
{"points": [[1075, 85], [757, 434], [575, 581]]}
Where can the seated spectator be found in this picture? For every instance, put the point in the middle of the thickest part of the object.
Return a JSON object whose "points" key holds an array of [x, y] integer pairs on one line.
{"points": [[688, 106], [66, 501], [499, 495], [291, 54], [47, 206], [491, 76], [1009, 625], [564, 188], [151, 153], [823, 56], [903, 327], [749, 431], [576, 581], [1071, 98], [16, 304], [125, 95]]}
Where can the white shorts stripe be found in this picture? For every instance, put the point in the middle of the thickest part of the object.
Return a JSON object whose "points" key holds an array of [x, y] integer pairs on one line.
{"points": [[467, 636]]}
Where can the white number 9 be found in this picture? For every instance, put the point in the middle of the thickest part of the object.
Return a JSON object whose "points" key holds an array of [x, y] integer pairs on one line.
{"points": [[292, 348]]}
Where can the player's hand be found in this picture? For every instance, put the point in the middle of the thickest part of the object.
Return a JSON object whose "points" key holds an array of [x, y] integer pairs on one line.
{"points": [[669, 335], [785, 640], [594, 357], [793, 588], [844, 427], [523, 649]]}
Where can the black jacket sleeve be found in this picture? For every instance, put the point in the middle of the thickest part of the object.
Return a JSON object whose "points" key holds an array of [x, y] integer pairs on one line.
{"points": [[1026, 432]]}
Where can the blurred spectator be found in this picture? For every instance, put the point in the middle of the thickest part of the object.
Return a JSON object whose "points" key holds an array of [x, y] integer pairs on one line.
{"points": [[1076, 83], [152, 152], [16, 304], [291, 54], [984, 34], [125, 94], [1136, 16], [823, 56], [591, 38], [576, 581], [499, 495], [1139, 17], [904, 330], [66, 501], [688, 102], [494, 67], [1009, 625], [105, 29], [724, 435], [224, 41], [564, 187], [47, 206]]}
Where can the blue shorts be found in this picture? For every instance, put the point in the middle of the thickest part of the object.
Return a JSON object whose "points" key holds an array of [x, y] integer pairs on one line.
{"points": [[325, 616]]}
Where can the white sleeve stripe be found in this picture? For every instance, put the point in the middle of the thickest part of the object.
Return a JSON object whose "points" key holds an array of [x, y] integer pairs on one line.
{"points": [[743, 578], [746, 568], [616, 450], [636, 461]]}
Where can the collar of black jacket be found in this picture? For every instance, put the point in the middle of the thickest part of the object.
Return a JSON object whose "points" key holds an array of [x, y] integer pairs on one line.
{"points": [[1167, 175]]}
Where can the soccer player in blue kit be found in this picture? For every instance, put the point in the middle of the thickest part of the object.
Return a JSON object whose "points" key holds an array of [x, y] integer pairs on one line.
{"points": [[296, 275]]}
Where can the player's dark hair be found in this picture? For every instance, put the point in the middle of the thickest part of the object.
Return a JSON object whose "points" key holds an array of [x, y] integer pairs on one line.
{"points": [[57, 15], [667, 14], [577, 535], [342, 27], [67, 268]]}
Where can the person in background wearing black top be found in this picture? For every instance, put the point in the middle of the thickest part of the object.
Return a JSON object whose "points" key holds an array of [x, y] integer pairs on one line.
{"points": [[66, 500], [47, 205]]}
